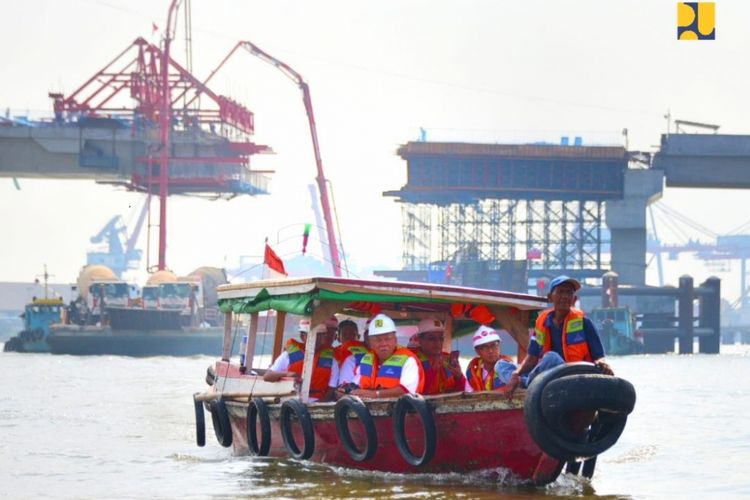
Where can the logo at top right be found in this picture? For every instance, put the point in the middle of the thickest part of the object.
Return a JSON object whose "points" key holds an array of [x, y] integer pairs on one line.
{"points": [[696, 21]]}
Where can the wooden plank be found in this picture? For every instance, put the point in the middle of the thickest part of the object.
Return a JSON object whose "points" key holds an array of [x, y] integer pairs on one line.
{"points": [[226, 350], [252, 335], [278, 336]]}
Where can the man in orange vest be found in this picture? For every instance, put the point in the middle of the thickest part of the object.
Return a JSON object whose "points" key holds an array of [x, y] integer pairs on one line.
{"points": [[325, 374], [441, 373], [388, 370], [562, 334], [350, 343], [481, 374]]}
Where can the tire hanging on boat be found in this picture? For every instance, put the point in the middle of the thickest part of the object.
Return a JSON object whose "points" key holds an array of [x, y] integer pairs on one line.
{"points": [[295, 407], [257, 409], [547, 413], [418, 405], [220, 419], [200, 422], [341, 419]]}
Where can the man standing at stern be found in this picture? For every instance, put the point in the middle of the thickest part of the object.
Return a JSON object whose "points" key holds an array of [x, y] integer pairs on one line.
{"points": [[563, 334]]}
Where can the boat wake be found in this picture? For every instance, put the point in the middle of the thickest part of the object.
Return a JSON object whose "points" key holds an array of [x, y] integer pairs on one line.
{"points": [[498, 476]]}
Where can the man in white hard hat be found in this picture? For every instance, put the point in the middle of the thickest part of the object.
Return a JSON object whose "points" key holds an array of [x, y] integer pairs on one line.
{"points": [[388, 370], [481, 374], [441, 372], [325, 374]]}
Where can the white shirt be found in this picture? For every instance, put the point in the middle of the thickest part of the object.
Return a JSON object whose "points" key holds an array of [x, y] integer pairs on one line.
{"points": [[348, 369], [281, 364], [409, 375]]}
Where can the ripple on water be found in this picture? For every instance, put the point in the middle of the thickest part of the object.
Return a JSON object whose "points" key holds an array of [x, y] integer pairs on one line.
{"points": [[635, 455]]}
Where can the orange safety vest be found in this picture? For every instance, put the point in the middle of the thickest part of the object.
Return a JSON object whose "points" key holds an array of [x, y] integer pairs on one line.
{"points": [[575, 347], [373, 375], [322, 364], [356, 347], [476, 378], [438, 379]]}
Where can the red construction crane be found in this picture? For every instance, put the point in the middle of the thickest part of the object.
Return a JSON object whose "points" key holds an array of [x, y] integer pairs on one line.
{"points": [[321, 180]]}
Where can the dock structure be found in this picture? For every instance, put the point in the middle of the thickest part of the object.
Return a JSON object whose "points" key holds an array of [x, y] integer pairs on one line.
{"points": [[667, 314]]}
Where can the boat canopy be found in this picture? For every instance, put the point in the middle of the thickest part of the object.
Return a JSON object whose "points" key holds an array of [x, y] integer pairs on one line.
{"points": [[366, 297]]}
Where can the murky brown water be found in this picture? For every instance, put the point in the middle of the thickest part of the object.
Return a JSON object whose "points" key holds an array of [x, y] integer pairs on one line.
{"points": [[116, 427]]}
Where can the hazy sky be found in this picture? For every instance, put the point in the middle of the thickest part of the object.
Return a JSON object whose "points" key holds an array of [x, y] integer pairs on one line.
{"points": [[378, 71]]}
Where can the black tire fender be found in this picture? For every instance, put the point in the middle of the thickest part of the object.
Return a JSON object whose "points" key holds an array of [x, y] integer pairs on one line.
{"points": [[257, 409], [589, 392], [220, 419], [551, 436], [341, 418], [295, 407], [200, 422], [419, 405]]}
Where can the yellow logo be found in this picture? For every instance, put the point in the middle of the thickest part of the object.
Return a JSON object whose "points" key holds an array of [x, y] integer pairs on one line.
{"points": [[378, 322], [696, 21]]}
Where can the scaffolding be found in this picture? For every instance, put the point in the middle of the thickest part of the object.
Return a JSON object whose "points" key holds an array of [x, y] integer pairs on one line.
{"points": [[553, 236]]}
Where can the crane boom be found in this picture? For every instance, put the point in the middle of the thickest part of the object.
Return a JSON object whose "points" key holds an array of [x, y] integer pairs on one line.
{"points": [[306, 99]]}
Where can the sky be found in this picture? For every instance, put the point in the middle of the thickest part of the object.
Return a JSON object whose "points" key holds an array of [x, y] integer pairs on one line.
{"points": [[465, 71]]}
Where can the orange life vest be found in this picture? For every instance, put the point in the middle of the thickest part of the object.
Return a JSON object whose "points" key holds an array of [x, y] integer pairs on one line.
{"points": [[322, 364], [438, 379], [575, 347], [373, 375], [356, 347], [475, 376]]}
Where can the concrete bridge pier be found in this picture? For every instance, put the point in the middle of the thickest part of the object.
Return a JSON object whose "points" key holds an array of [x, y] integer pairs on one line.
{"points": [[626, 219]]}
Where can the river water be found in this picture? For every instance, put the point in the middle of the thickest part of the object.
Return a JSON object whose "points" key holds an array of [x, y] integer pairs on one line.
{"points": [[118, 427]]}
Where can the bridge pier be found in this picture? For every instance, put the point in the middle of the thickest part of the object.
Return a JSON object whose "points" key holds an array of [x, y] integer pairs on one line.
{"points": [[626, 219]]}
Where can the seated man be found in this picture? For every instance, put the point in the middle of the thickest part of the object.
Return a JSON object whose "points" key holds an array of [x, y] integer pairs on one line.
{"points": [[325, 375], [482, 373], [350, 343], [441, 373], [562, 335], [388, 370]]}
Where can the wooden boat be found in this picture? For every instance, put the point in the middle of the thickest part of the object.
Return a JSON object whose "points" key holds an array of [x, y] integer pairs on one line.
{"points": [[530, 433]]}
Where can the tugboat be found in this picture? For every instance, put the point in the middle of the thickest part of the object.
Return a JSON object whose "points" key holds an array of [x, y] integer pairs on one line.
{"points": [[617, 329], [37, 316], [568, 415]]}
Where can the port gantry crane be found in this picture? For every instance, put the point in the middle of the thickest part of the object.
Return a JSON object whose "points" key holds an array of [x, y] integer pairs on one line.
{"points": [[321, 180]]}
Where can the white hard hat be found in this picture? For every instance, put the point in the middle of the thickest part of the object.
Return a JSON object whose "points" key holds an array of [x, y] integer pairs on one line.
{"points": [[484, 335], [380, 325], [430, 325], [304, 325]]}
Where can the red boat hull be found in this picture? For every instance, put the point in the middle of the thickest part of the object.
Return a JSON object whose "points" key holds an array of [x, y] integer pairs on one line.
{"points": [[468, 439]]}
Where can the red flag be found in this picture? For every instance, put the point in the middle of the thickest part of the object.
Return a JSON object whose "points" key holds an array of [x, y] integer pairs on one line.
{"points": [[273, 261]]}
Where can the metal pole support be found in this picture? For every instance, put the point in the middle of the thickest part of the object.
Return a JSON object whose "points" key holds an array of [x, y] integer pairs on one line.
{"points": [[609, 289], [710, 316], [685, 315]]}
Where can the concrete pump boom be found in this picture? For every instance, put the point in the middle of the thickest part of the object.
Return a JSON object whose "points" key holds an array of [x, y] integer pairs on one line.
{"points": [[321, 180]]}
